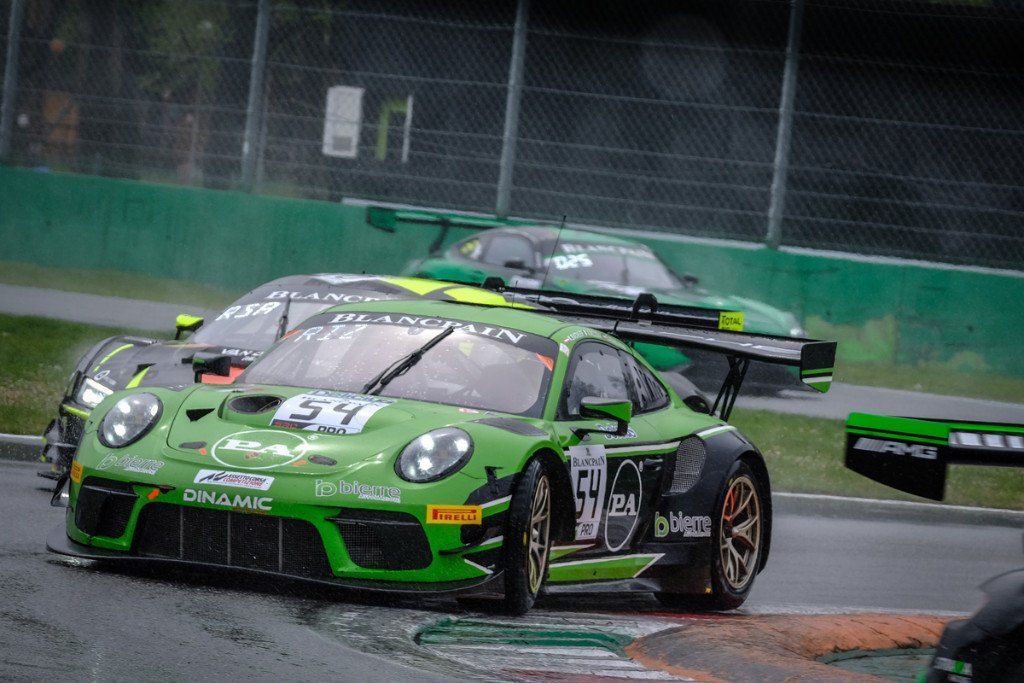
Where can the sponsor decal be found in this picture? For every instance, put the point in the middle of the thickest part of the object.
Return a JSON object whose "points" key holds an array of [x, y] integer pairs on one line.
{"points": [[588, 468], [570, 261], [953, 666], [240, 480], [641, 251], [696, 526], [248, 310], [479, 329], [329, 412], [130, 463], [386, 494], [259, 449], [914, 450], [578, 334], [454, 514], [76, 472], [609, 431], [236, 501], [731, 320], [330, 297], [986, 440], [623, 505], [244, 355]]}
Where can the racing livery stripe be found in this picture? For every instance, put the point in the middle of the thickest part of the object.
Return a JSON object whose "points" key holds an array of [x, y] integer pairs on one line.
{"points": [[639, 448], [110, 355], [482, 569], [712, 431], [563, 550], [898, 436], [602, 568], [77, 412], [495, 506], [136, 379]]}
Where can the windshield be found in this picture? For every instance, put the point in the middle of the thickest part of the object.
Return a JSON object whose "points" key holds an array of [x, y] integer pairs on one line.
{"points": [[254, 325], [476, 366], [613, 264]]}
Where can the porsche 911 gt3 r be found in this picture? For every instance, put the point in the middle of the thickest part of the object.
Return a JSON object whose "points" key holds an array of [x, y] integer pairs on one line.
{"points": [[481, 450]]}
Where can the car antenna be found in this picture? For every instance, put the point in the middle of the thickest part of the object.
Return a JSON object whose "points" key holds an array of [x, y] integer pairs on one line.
{"points": [[561, 226], [282, 323]]}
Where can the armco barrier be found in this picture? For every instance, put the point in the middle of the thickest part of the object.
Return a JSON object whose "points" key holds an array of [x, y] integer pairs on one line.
{"points": [[879, 310]]}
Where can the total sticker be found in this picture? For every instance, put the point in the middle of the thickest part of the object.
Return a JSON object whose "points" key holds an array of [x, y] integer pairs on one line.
{"points": [[588, 466], [330, 412]]}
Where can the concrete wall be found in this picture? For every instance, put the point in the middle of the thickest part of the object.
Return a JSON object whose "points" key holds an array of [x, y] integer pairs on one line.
{"points": [[884, 311]]}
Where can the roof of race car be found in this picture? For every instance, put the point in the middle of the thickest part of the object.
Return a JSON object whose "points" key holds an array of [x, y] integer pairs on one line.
{"points": [[539, 323]]}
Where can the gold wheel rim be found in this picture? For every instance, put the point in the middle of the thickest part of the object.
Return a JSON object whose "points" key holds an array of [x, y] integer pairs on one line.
{"points": [[740, 533], [538, 534]]}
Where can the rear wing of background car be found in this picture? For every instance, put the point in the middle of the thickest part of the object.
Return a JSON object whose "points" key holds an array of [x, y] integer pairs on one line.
{"points": [[912, 454], [708, 329], [387, 219]]}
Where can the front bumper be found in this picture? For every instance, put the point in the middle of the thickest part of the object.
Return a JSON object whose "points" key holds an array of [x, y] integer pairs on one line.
{"points": [[63, 436], [492, 586]]}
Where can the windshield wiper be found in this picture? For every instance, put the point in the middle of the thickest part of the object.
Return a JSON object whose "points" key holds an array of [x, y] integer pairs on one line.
{"points": [[282, 323], [402, 365]]}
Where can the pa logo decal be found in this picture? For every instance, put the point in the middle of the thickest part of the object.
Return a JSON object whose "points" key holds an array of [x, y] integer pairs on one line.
{"points": [[259, 449]]}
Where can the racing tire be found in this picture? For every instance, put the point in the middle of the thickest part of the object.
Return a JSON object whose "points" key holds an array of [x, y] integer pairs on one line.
{"points": [[527, 539], [737, 532]]}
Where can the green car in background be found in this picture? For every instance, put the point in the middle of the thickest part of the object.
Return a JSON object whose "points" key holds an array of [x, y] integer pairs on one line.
{"points": [[493, 447], [578, 261]]}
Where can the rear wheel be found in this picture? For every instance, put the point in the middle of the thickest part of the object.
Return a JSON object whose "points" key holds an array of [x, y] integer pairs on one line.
{"points": [[527, 539], [738, 533]]}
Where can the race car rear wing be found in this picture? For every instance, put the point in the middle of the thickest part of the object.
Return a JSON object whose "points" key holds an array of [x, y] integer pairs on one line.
{"points": [[719, 331], [913, 454]]}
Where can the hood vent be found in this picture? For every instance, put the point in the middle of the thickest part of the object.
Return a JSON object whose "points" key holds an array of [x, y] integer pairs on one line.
{"points": [[253, 404]]}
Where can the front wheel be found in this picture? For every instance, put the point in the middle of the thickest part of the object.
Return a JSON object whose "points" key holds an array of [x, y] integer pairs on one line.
{"points": [[527, 539], [738, 533]]}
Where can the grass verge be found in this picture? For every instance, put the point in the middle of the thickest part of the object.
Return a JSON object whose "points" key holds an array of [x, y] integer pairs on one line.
{"points": [[116, 283], [933, 378], [805, 455], [37, 356]]}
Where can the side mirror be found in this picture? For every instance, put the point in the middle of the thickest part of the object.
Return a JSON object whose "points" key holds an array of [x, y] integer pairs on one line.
{"points": [[608, 408], [205, 363], [186, 323]]}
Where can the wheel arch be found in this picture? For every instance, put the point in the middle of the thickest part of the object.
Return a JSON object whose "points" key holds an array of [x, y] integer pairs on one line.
{"points": [[563, 507]]}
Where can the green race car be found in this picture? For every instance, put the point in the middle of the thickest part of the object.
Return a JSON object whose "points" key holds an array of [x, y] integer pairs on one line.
{"points": [[585, 262], [488, 449]]}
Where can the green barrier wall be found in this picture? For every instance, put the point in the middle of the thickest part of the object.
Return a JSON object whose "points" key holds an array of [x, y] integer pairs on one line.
{"points": [[879, 311]]}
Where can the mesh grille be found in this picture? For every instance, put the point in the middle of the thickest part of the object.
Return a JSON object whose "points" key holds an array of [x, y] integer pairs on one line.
{"points": [[384, 540], [104, 507], [689, 462], [233, 539]]}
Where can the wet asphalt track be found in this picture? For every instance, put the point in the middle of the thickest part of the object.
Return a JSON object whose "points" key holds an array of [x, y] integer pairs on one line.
{"points": [[61, 620]]}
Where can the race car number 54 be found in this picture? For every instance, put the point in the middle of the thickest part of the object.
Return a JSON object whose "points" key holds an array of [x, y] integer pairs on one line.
{"points": [[589, 471], [330, 412]]}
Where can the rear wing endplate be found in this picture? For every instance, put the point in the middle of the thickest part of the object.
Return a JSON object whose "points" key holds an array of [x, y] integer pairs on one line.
{"points": [[913, 454]]}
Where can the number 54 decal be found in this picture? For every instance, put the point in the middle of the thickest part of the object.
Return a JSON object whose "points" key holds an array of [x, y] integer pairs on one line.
{"points": [[589, 471], [329, 412]]}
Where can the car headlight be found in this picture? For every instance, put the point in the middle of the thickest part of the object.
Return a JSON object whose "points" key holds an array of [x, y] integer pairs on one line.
{"points": [[129, 420], [91, 393], [434, 455]]}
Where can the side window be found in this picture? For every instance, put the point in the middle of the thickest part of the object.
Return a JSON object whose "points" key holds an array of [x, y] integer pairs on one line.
{"points": [[596, 371], [503, 249], [651, 395]]}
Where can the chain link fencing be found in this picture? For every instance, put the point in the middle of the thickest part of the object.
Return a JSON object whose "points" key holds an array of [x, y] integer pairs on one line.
{"points": [[906, 134]]}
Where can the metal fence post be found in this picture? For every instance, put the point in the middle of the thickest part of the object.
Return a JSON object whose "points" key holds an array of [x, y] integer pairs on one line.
{"points": [[254, 111], [515, 91], [10, 78], [782, 139]]}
